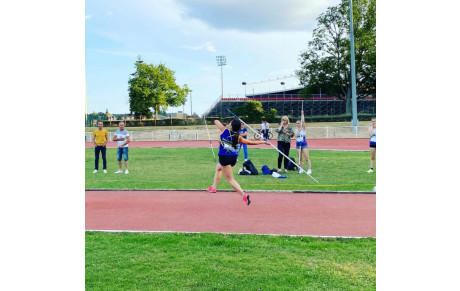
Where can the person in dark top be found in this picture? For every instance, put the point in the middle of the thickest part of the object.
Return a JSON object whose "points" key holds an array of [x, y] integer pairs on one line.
{"points": [[285, 133], [229, 140]]}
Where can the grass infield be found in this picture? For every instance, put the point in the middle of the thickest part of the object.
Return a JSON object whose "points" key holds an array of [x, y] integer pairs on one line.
{"points": [[180, 261], [193, 168]]}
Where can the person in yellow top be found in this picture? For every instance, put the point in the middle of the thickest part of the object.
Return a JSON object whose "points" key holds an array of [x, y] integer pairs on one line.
{"points": [[100, 137]]}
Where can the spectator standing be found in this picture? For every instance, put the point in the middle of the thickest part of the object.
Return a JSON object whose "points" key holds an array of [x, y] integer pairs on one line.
{"points": [[100, 136], [285, 133], [373, 143], [122, 137], [300, 133], [267, 127], [262, 128]]}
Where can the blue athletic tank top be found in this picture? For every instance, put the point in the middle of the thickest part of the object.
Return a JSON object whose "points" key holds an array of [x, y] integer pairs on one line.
{"points": [[301, 138], [225, 147]]}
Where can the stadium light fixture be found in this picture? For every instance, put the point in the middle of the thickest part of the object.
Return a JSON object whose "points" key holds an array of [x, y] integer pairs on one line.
{"points": [[244, 84], [284, 90], [221, 61]]}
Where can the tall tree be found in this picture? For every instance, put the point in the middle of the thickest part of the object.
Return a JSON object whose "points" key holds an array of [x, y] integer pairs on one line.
{"points": [[154, 88], [254, 110], [325, 65]]}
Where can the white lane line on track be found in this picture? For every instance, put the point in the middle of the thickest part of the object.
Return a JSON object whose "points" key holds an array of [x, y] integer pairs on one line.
{"points": [[242, 233]]}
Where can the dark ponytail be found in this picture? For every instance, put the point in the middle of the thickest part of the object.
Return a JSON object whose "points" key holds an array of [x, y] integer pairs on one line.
{"points": [[236, 125]]}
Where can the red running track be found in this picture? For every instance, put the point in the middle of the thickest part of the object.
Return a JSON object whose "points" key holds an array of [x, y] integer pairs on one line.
{"points": [[349, 215], [357, 144]]}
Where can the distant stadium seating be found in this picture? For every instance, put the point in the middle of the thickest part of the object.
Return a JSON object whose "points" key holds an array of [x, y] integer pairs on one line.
{"points": [[291, 105]]}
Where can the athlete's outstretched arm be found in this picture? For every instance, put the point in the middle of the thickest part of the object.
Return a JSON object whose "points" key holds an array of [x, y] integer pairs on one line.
{"points": [[219, 125], [252, 142]]}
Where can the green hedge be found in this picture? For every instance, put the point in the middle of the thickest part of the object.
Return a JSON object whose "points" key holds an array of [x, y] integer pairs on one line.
{"points": [[338, 118]]}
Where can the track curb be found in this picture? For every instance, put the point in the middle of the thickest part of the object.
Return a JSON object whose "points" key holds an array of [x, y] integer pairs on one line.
{"points": [[248, 191]]}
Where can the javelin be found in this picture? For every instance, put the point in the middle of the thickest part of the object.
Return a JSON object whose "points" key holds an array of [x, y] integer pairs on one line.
{"points": [[209, 137], [274, 147]]}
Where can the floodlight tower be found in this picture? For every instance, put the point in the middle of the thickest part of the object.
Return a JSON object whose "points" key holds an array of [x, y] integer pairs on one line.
{"points": [[221, 61], [354, 107]]}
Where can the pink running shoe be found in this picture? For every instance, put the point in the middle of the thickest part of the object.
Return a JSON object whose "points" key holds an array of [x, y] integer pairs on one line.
{"points": [[211, 189], [246, 199]]}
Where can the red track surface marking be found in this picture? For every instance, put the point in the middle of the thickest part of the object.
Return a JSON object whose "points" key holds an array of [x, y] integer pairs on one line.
{"points": [[351, 215], [327, 144]]}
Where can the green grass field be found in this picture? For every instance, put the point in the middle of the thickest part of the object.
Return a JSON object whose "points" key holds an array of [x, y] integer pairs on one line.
{"points": [[193, 168], [127, 261], [178, 261]]}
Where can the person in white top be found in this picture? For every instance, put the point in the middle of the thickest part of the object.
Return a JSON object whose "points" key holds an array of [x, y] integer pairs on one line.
{"points": [[122, 137], [262, 128], [301, 143], [267, 127], [372, 143]]}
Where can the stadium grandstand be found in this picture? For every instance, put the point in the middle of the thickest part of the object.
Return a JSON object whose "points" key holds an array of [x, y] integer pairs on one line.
{"points": [[289, 102]]}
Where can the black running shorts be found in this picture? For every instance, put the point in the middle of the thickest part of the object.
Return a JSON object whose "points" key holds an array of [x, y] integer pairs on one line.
{"points": [[228, 160]]}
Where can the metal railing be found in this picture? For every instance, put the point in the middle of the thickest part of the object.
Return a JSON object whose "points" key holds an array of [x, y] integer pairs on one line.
{"points": [[201, 134]]}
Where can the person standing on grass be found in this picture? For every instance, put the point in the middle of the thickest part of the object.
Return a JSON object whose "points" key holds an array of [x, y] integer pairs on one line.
{"points": [[285, 133], [229, 139], [243, 133], [301, 145], [122, 137], [100, 137], [372, 143]]}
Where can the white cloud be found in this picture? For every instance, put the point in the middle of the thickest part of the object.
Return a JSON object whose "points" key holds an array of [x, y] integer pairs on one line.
{"points": [[257, 15], [260, 44], [207, 46], [88, 16]]}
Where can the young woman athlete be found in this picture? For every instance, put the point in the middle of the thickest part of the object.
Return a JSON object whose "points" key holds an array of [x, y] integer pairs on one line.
{"points": [[229, 139], [301, 143], [372, 143]]}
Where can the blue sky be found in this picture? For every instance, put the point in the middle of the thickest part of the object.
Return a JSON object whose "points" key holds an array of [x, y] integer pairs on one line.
{"points": [[261, 40]]}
